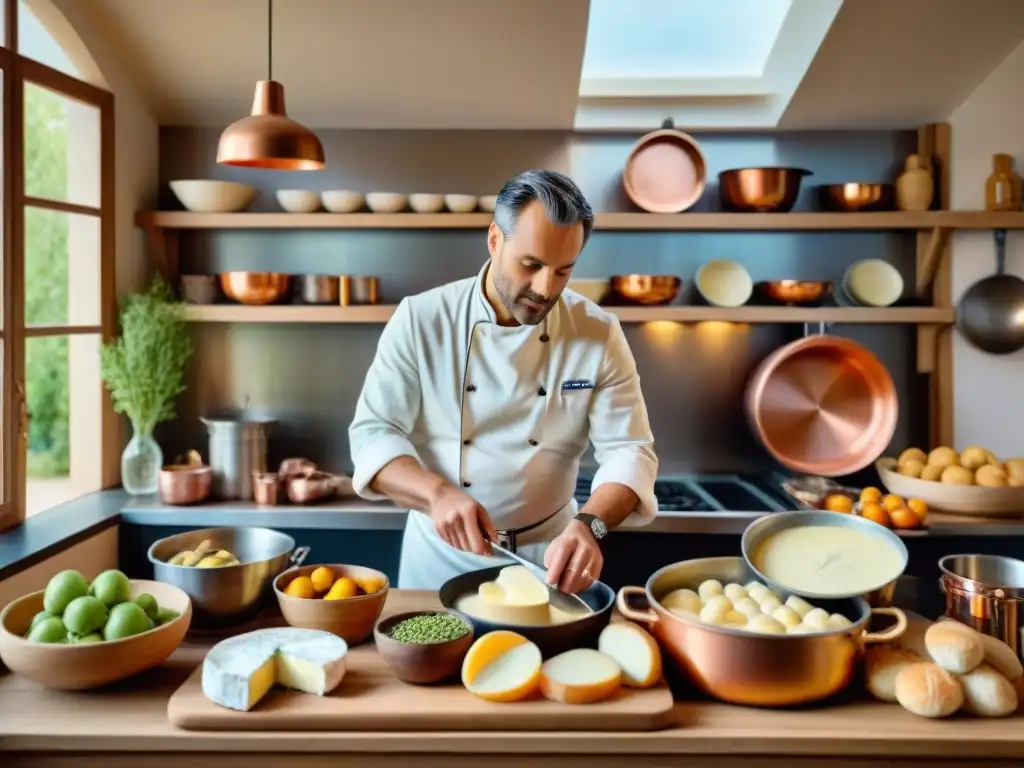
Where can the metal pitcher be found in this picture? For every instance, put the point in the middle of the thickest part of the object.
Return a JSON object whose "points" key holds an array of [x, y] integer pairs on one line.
{"points": [[238, 447]]}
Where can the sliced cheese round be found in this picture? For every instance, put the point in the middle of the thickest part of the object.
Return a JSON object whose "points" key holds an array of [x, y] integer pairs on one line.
{"points": [[522, 587], [502, 666], [580, 676], [634, 650]]}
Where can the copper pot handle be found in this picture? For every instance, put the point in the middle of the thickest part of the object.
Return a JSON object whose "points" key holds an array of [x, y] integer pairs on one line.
{"points": [[641, 617], [892, 633]]}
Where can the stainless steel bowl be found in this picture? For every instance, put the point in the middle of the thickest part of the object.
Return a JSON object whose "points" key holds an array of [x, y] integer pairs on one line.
{"points": [[986, 592], [231, 594], [318, 289], [759, 530]]}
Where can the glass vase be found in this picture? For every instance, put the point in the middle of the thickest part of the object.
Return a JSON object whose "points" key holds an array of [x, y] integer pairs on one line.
{"points": [[140, 463]]}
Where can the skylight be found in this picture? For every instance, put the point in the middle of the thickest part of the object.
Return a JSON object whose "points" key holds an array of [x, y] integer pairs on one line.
{"points": [[661, 39]]}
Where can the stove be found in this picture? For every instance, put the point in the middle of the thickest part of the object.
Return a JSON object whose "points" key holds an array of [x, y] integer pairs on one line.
{"points": [[710, 493]]}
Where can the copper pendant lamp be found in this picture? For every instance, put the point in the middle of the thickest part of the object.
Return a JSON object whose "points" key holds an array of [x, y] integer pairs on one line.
{"points": [[268, 138]]}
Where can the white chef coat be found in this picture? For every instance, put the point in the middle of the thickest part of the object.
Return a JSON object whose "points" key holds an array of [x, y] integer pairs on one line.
{"points": [[504, 413]]}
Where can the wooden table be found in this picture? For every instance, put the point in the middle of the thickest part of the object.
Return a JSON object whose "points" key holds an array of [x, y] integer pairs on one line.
{"points": [[126, 726]]}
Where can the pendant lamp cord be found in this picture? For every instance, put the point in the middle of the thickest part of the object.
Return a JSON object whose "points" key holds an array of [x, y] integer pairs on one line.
{"points": [[270, 39]]}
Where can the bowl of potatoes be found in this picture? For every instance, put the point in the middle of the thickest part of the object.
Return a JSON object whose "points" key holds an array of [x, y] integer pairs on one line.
{"points": [[973, 481]]}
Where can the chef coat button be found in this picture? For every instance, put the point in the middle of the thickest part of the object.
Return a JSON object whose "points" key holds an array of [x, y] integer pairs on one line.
{"points": [[465, 483], [542, 392], [471, 388], [544, 338], [533, 442], [466, 441]]}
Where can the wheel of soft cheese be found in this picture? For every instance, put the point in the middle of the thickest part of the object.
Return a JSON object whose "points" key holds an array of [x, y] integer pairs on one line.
{"points": [[238, 672]]}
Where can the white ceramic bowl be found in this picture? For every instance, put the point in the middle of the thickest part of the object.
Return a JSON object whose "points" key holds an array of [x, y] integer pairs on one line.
{"points": [[959, 499], [426, 203], [724, 283], [386, 202], [342, 200], [873, 282], [298, 200], [460, 203], [207, 196], [487, 202], [595, 290]]}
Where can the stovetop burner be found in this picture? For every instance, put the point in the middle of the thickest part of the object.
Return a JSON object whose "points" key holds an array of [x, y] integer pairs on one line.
{"points": [[706, 493]]}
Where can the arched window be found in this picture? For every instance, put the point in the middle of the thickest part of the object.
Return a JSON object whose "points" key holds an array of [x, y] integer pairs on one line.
{"points": [[58, 431]]}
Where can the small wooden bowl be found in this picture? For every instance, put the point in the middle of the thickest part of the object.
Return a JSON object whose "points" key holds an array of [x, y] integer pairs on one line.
{"points": [[351, 619], [422, 663], [80, 667]]}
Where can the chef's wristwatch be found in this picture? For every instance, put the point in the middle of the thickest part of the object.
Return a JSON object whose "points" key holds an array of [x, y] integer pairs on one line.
{"points": [[594, 524]]}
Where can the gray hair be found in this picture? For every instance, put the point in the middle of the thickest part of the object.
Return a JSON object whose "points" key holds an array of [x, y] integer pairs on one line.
{"points": [[563, 201]]}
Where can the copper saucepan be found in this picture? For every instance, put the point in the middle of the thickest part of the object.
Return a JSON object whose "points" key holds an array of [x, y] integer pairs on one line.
{"points": [[665, 172], [823, 405], [741, 667]]}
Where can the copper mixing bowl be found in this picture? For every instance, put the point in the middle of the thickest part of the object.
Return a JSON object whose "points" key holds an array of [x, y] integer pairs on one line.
{"points": [[644, 289], [760, 190], [856, 197], [800, 293], [254, 287]]}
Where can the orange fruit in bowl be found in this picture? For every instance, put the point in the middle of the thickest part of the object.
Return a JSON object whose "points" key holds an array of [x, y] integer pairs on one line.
{"points": [[892, 501], [837, 502], [919, 507], [876, 513], [871, 494], [322, 578], [342, 589], [904, 518], [300, 586]]}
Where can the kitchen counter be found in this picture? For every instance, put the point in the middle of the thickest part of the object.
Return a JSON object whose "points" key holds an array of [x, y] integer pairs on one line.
{"points": [[126, 725]]}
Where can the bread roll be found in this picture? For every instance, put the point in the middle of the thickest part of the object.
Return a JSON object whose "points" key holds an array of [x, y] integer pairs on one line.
{"points": [[882, 663], [927, 690], [954, 647], [987, 693], [1000, 656]]}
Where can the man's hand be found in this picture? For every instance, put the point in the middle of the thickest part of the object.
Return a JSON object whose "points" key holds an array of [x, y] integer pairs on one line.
{"points": [[461, 522], [574, 560]]}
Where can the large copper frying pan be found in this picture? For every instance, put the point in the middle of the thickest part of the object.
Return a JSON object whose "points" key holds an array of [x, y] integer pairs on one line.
{"points": [[823, 406]]}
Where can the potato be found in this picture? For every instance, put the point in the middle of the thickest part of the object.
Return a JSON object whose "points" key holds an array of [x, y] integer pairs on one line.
{"points": [[931, 473], [956, 475], [912, 468], [943, 456], [912, 454], [991, 476], [974, 457]]}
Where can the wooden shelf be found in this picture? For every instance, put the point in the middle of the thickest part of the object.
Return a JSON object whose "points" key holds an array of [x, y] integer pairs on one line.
{"points": [[237, 313], [605, 221]]}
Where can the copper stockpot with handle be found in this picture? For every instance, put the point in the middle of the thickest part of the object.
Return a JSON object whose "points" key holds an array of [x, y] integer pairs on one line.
{"points": [[741, 667], [823, 405]]}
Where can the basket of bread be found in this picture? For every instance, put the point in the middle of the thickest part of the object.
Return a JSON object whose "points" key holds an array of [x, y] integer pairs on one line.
{"points": [[973, 481]]}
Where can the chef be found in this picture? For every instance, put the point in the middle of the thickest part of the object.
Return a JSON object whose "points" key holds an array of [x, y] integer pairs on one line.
{"points": [[482, 396]]}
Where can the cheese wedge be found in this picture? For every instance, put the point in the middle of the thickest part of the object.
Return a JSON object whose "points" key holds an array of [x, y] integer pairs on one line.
{"points": [[634, 650], [238, 672], [502, 666], [580, 676], [521, 586]]}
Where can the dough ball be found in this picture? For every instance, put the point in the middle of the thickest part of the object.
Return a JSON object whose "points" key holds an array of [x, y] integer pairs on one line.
{"points": [[758, 591], [786, 616], [770, 603], [838, 621], [735, 619], [735, 592], [955, 475], [766, 625], [911, 469], [799, 605], [709, 589], [998, 654], [912, 454], [974, 457], [954, 647], [800, 629], [1014, 468], [748, 607], [927, 690], [931, 473], [882, 663], [943, 456], [817, 618], [721, 600], [987, 693], [682, 600], [991, 476], [715, 612]]}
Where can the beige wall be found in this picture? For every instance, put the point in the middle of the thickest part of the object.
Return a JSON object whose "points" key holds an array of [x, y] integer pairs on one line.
{"points": [[988, 388], [91, 556]]}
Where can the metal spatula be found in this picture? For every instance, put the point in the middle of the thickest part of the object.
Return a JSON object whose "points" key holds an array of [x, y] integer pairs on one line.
{"points": [[572, 604]]}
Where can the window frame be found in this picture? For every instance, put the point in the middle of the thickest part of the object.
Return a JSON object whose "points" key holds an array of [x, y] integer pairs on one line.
{"points": [[17, 71]]}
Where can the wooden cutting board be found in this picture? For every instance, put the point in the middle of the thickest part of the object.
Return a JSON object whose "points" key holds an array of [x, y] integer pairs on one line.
{"points": [[371, 698]]}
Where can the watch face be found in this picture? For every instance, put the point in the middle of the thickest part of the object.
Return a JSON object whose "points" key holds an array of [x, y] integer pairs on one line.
{"points": [[598, 528]]}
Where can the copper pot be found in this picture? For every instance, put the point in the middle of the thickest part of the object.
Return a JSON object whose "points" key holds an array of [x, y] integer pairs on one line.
{"points": [[185, 483], [255, 287], [855, 197], [358, 290], [644, 289], [823, 405], [800, 293], [740, 667], [760, 190], [665, 171]]}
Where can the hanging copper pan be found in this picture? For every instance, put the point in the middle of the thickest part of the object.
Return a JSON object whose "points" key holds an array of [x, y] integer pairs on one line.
{"points": [[823, 405], [665, 172]]}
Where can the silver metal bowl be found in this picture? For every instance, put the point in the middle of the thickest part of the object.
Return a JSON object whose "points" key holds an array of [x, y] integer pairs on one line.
{"points": [[986, 592], [231, 594], [759, 530]]}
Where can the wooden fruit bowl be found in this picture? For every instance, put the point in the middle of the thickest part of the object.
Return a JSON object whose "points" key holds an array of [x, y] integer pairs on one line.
{"points": [[959, 499], [352, 618], [80, 667]]}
